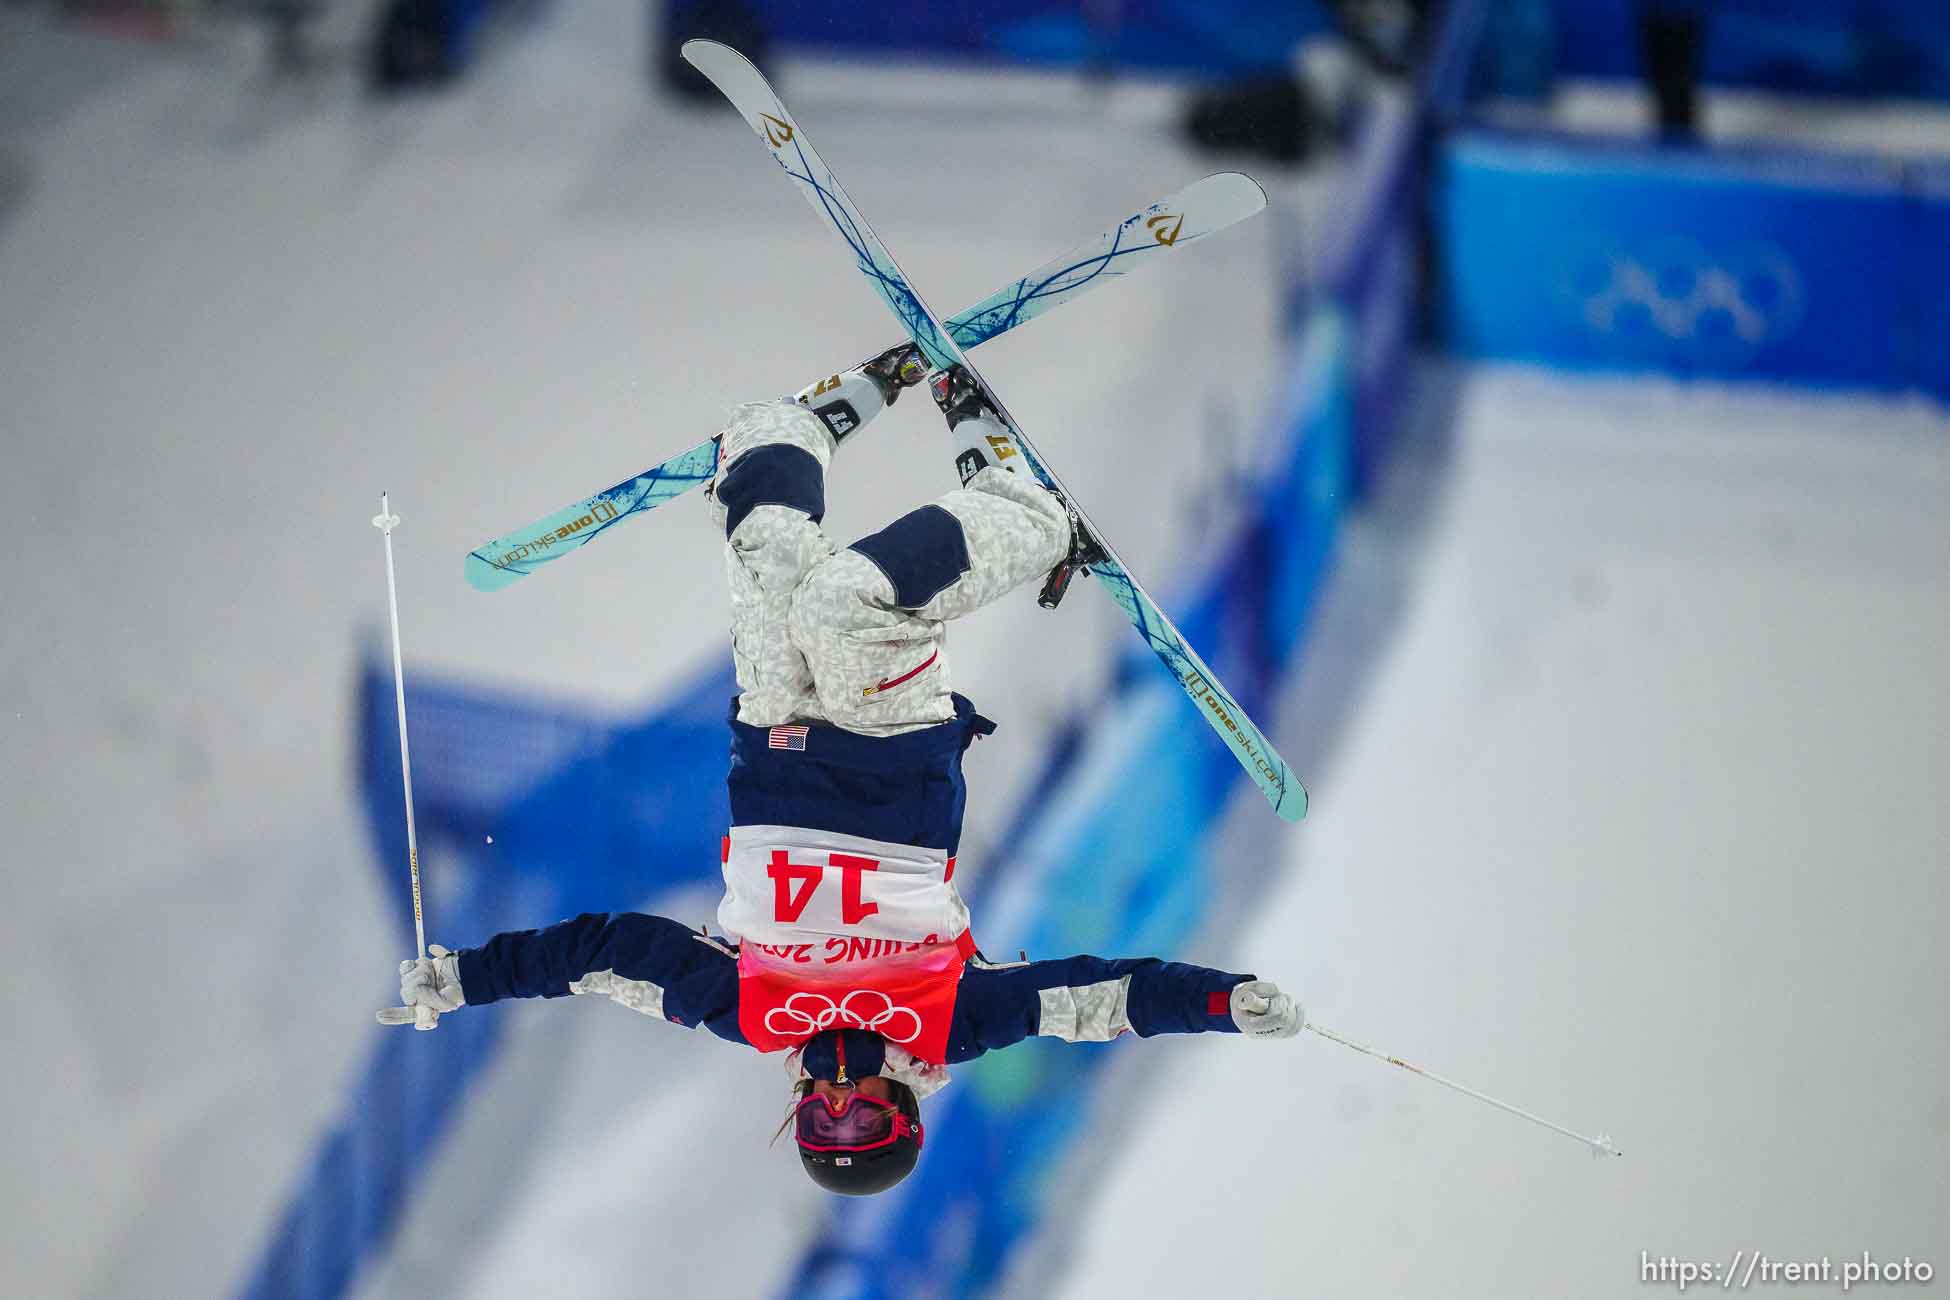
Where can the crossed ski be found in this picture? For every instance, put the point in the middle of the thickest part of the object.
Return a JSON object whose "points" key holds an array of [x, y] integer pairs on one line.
{"points": [[759, 104], [1200, 209]]}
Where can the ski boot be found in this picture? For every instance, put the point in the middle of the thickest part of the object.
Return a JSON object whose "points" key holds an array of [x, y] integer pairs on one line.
{"points": [[1085, 551], [899, 367], [846, 401], [972, 418], [961, 398]]}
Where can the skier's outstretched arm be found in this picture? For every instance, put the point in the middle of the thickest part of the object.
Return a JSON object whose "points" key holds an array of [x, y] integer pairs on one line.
{"points": [[649, 964], [1094, 999]]}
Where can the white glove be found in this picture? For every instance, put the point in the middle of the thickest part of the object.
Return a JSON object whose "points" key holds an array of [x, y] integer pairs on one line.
{"points": [[427, 987], [1262, 1011]]}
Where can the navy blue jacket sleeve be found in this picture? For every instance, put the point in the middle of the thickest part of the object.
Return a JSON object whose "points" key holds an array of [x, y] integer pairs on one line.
{"points": [[1087, 999], [647, 963]]}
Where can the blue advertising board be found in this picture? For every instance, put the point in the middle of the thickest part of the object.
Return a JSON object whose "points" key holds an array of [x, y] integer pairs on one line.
{"points": [[1591, 255]]}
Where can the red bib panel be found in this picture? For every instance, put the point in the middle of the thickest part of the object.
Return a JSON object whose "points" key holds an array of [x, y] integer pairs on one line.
{"points": [[905, 992]]}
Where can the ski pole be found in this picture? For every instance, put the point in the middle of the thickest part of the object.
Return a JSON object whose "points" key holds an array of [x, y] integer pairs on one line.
{"points": [[385, 521], [1599, 1145]]}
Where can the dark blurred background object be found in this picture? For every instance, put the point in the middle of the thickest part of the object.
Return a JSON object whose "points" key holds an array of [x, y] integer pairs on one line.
{"points": [[287, 23], [422, 42], [1287, 117], [1670, 33], [1866, 48], [736, 23], [1386, 33], [1270, 116]]}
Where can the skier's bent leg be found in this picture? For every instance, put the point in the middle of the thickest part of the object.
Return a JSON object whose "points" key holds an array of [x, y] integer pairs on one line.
{"points": [[1014, 530], [771, 454], [871, 620], [768, 500]]}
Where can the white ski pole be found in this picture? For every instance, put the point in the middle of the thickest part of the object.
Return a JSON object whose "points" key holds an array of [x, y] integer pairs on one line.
{"points": [[1599, 1145], [385, 521]]}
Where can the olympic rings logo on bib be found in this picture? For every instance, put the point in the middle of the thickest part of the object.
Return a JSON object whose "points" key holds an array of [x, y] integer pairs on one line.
{"points": [[800, 1020]]}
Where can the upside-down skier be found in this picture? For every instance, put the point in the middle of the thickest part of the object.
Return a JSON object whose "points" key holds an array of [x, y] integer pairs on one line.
{"points": [[845, 942]]}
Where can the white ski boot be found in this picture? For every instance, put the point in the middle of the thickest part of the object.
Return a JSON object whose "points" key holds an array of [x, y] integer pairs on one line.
{"points": [[987, 441], [847, 401]]}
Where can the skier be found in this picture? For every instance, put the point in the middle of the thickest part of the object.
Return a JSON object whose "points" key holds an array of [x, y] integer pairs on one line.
{"points": [[845, 942]]}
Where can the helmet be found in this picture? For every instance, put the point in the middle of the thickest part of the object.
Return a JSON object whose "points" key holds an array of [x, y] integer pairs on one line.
{"points": [[863, 1148], [866, 1145]]}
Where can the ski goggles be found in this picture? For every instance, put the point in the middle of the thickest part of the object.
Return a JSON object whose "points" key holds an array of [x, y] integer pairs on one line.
{"points": [[860, 1124]]}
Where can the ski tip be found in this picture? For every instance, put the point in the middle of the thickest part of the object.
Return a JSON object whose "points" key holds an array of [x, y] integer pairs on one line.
{"points": [[698, 51], [738, 80], [1290, 803], [1247, 195], [484, 576]]}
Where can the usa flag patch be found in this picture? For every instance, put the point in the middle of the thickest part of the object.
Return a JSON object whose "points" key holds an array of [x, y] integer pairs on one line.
{"points": [[793, 737]]}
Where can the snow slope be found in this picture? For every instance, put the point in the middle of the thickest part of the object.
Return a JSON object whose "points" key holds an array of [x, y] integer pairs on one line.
{"points": [[1639, 825]]}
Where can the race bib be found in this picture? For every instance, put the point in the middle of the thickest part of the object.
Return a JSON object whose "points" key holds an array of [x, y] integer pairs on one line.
{"points": [[789, 885]]}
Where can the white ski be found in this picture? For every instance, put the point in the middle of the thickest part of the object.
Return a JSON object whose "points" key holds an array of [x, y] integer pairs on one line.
{"points": [[762, 110], [1201, 208]]}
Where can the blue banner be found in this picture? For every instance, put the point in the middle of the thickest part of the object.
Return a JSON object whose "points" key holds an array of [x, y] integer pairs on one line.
{"points": [[1211, 38], [1931, 273], [1877, 48], [1591, 254]]}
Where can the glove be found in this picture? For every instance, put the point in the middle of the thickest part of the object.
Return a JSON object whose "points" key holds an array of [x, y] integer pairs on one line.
{"points": [[1262, 1011], [427, 987]]}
